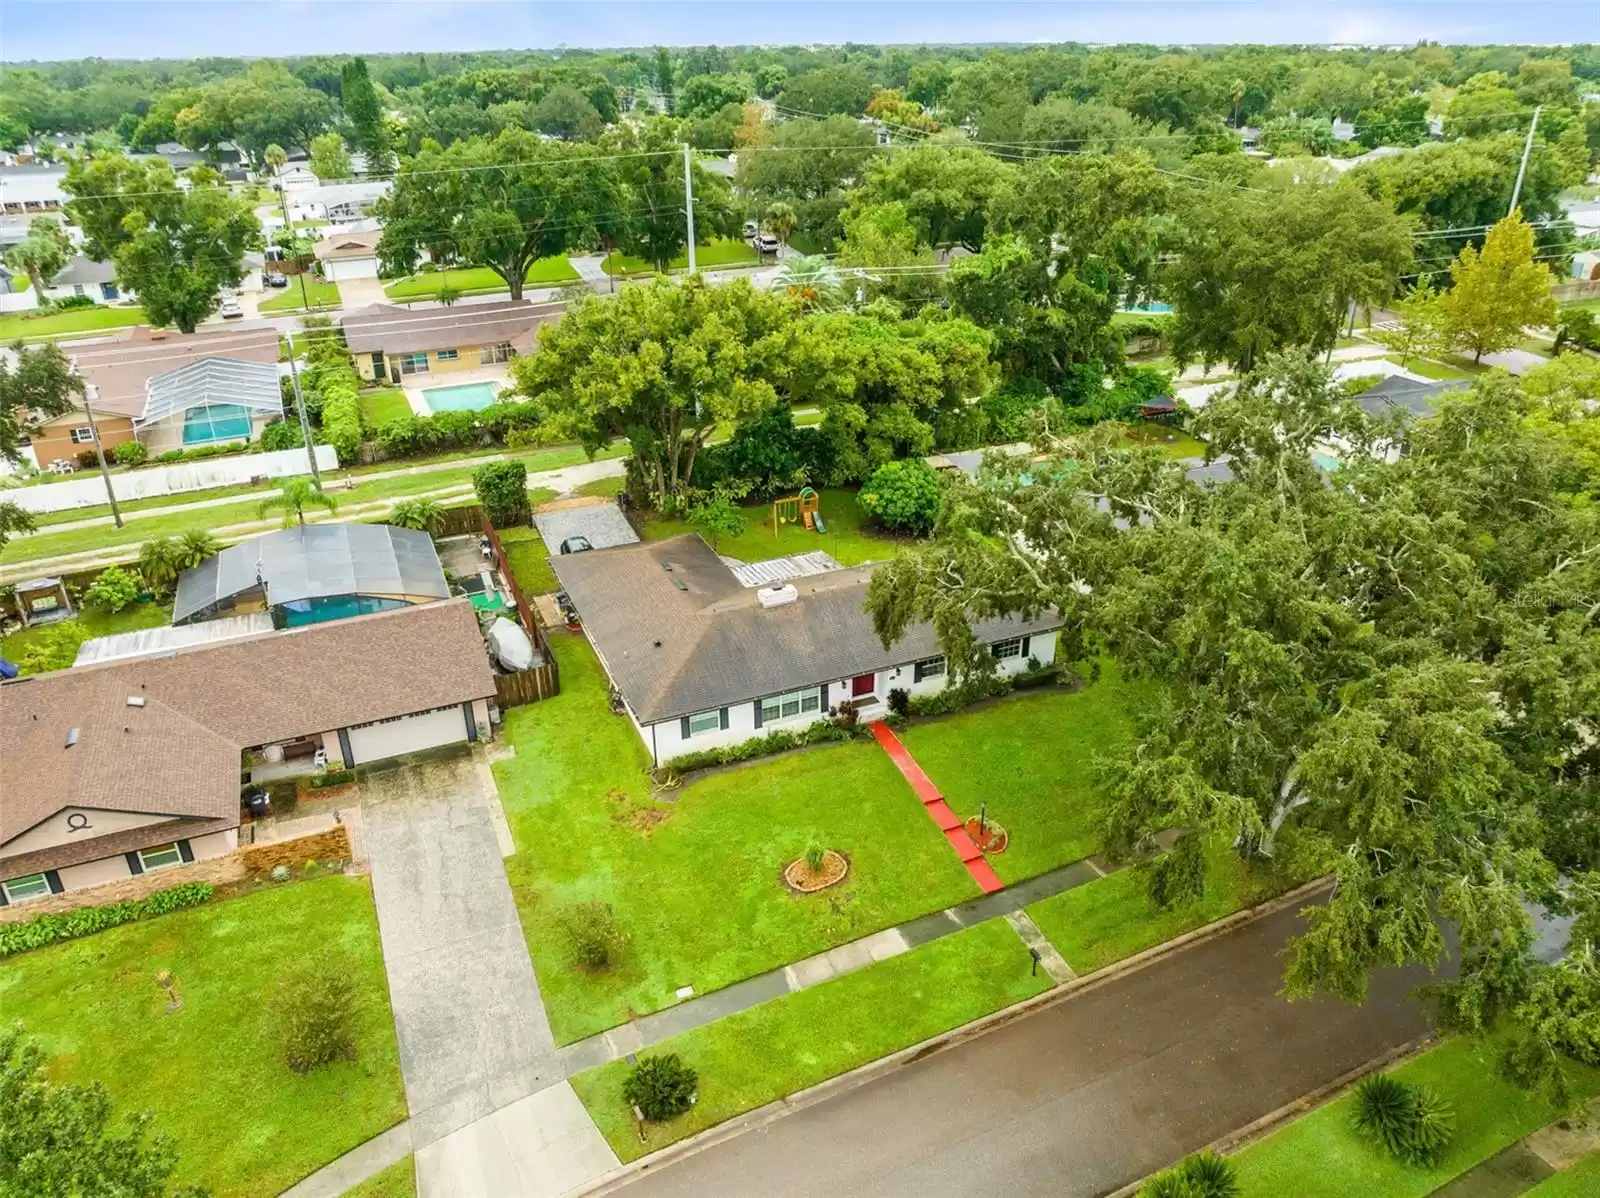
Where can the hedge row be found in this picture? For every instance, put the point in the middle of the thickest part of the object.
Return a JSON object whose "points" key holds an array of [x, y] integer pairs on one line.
{"points": [[455, 430], [780, 741], [341, 413], [69, 925]]}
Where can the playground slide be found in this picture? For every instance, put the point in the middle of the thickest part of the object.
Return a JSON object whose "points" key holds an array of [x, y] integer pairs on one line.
{"points": [[816, 518]]}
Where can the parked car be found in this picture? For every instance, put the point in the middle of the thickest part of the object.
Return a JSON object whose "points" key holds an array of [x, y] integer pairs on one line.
{"points": [[230, 309], [576, 545], [273, 279], [751, 228], [767, 244]]}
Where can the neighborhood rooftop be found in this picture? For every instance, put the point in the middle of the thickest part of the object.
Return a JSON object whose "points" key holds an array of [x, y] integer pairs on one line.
{"points": [[120, 371], [389, 329], [679, 633], [1412, 398]]}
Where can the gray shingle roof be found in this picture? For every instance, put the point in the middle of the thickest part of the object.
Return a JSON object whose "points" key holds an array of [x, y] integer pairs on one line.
{"points": [[679, 634], [392, 330], [1412, 398]]}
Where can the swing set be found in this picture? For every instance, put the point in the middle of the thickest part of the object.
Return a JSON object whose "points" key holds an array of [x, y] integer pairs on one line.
{"points": [[801, 508]]}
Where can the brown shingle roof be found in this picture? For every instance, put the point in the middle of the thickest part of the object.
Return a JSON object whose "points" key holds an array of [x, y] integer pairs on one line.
{"points": [[119, 370], [387, 329], [347, 245]]}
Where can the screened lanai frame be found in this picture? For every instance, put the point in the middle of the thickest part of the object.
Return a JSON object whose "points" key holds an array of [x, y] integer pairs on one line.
{"points": [[220, 396]]}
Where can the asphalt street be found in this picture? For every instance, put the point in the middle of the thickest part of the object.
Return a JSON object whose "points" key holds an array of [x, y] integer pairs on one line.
{"points": [[1074, 1100]]}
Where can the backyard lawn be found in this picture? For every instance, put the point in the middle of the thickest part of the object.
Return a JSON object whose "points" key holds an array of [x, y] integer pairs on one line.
{"points": [[59, 324], [244, 1124], [1320, 1155], [1107, 920], [381, 405], [56, 645], [848, 539], [478, 280], [718, 252], [791, 1043], [1173, 442], [1032, 758], [694, 877], [319, 294], [529, 559]]}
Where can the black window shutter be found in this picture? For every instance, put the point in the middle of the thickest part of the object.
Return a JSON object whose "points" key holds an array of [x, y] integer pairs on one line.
{"points": [[683, 727], [53, 880], [722, 718], [472, 724], [133, 863], [1025, 641], [824, 696], [757, 706], [916, 672], [184, 851]]}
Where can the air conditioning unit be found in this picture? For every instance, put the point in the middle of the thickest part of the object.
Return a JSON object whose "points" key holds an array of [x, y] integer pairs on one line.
{"points": [[777, 596]]}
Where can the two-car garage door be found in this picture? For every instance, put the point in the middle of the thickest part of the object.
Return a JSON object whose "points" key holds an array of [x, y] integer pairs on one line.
{"points": [[407, 734]]}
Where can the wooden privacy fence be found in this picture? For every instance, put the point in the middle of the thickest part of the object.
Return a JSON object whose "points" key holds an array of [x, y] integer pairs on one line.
{"points": [[541, 682]]}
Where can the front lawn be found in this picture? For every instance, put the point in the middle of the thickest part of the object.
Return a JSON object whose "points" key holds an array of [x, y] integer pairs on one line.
{"points": [[694, 877], [1582, 1180], [319, 293], [1113, 917], [712, 255], [243, 1122], [529, 559], [59, 324], [381, 405], [780, 1047], [57, 644], [399, 1180], [479, 280], [1320, 1155], [848, 540], [1033, 759]]}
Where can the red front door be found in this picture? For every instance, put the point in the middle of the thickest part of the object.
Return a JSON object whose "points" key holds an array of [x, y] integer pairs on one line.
{"points": [[862, 684]]}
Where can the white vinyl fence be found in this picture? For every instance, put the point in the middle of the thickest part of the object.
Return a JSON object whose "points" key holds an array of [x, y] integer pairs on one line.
{"points": [[86, 489]]}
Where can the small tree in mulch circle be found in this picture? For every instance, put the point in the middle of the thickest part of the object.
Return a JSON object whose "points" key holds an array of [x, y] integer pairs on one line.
{"points": [[593, 937], [312, 1013], [815, 856], [661, 1087]]}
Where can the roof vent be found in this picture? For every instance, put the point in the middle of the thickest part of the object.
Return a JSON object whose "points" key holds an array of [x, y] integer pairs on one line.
{"points": [[72, 738], [135, 700], [777, 596]]}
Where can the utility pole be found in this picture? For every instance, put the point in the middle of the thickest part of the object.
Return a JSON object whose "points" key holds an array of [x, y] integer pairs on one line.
{"points": [[100, 456], [300, 407], [288, 231], [1527, 147], [688, 200]]}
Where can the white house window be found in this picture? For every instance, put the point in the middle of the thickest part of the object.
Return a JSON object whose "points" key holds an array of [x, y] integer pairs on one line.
{"points": [[786, 707], [160, 856], [83, 436], [490, 354], [928, 667], [448, 355], [1011, 647], [31, 886], [413, 363], [706, 721]]}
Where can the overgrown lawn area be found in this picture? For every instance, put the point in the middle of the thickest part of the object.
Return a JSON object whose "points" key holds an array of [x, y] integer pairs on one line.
{"points": [[786, 1045], [694, 877], [1032, 758], [849, 539], [244, 1123], [1320, 1155]]}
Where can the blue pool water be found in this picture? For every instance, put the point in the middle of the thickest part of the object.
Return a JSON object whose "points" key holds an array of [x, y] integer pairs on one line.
{"points": [[1152, 309], [467, 397]]}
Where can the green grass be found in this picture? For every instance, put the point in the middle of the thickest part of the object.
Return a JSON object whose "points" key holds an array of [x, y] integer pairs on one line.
{"points": [[1112, 918], [1430, 369], [1033, 759], [479, 280], [529, 559], [604, 488], [67, 635], [244, 1124], [791, 1043], [399, 1180], [694, 880], [381, 405], [712, 255], [59, 324], [319, 294], [847, 539], [1582, 1180], [1173, 442], [1320, 1155]]}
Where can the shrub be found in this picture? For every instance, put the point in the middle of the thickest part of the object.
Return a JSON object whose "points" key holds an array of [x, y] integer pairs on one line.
{"points": [[525, 438], [900, 701], [847, 714], [502, 489], [313, 1013], [341, 419], [131, 453], [592, 934], [171, 455], [661, 1087], [158, 561], [69, 925], [423, 515], [113, 589], [777, 741], [282, 434], [1204, 1175], [904, 496], [1413, 1124], [717, 519], [69, 302], [332, 778], [87, 459], [815, 856]]}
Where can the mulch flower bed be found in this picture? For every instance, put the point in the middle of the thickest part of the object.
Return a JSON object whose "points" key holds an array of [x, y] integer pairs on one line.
{"points": [[990, 838], [800, 877]]}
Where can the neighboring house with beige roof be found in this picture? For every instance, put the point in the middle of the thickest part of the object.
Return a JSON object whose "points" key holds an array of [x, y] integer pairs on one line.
{"points": [[389, 343], [347, 256], [170, 390], [120, 768]]}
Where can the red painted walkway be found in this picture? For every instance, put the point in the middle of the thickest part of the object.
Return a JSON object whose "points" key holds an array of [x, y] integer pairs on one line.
{"points": [[936, 807]]}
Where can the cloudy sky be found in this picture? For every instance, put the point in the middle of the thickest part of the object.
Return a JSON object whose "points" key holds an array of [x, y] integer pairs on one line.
{"points": [[56, 29]]}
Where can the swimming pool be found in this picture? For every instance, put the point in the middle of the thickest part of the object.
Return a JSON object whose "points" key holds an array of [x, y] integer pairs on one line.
{"points": [[465, 397], [1150, 309]]}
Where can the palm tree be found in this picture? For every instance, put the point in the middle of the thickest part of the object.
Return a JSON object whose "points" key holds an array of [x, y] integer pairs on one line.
{"points": [[424, 515], [275, 156], [294, 496], [193, 547], [813, 281], [782, 220], [158, 562]]}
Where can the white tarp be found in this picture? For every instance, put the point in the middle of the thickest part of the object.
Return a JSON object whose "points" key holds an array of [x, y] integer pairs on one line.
{"points": [[511, 645], [87, 489]]}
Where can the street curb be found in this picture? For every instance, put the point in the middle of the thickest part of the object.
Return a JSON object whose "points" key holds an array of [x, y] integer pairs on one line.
{"points": [[863, 1074], [1259, 1129]]}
